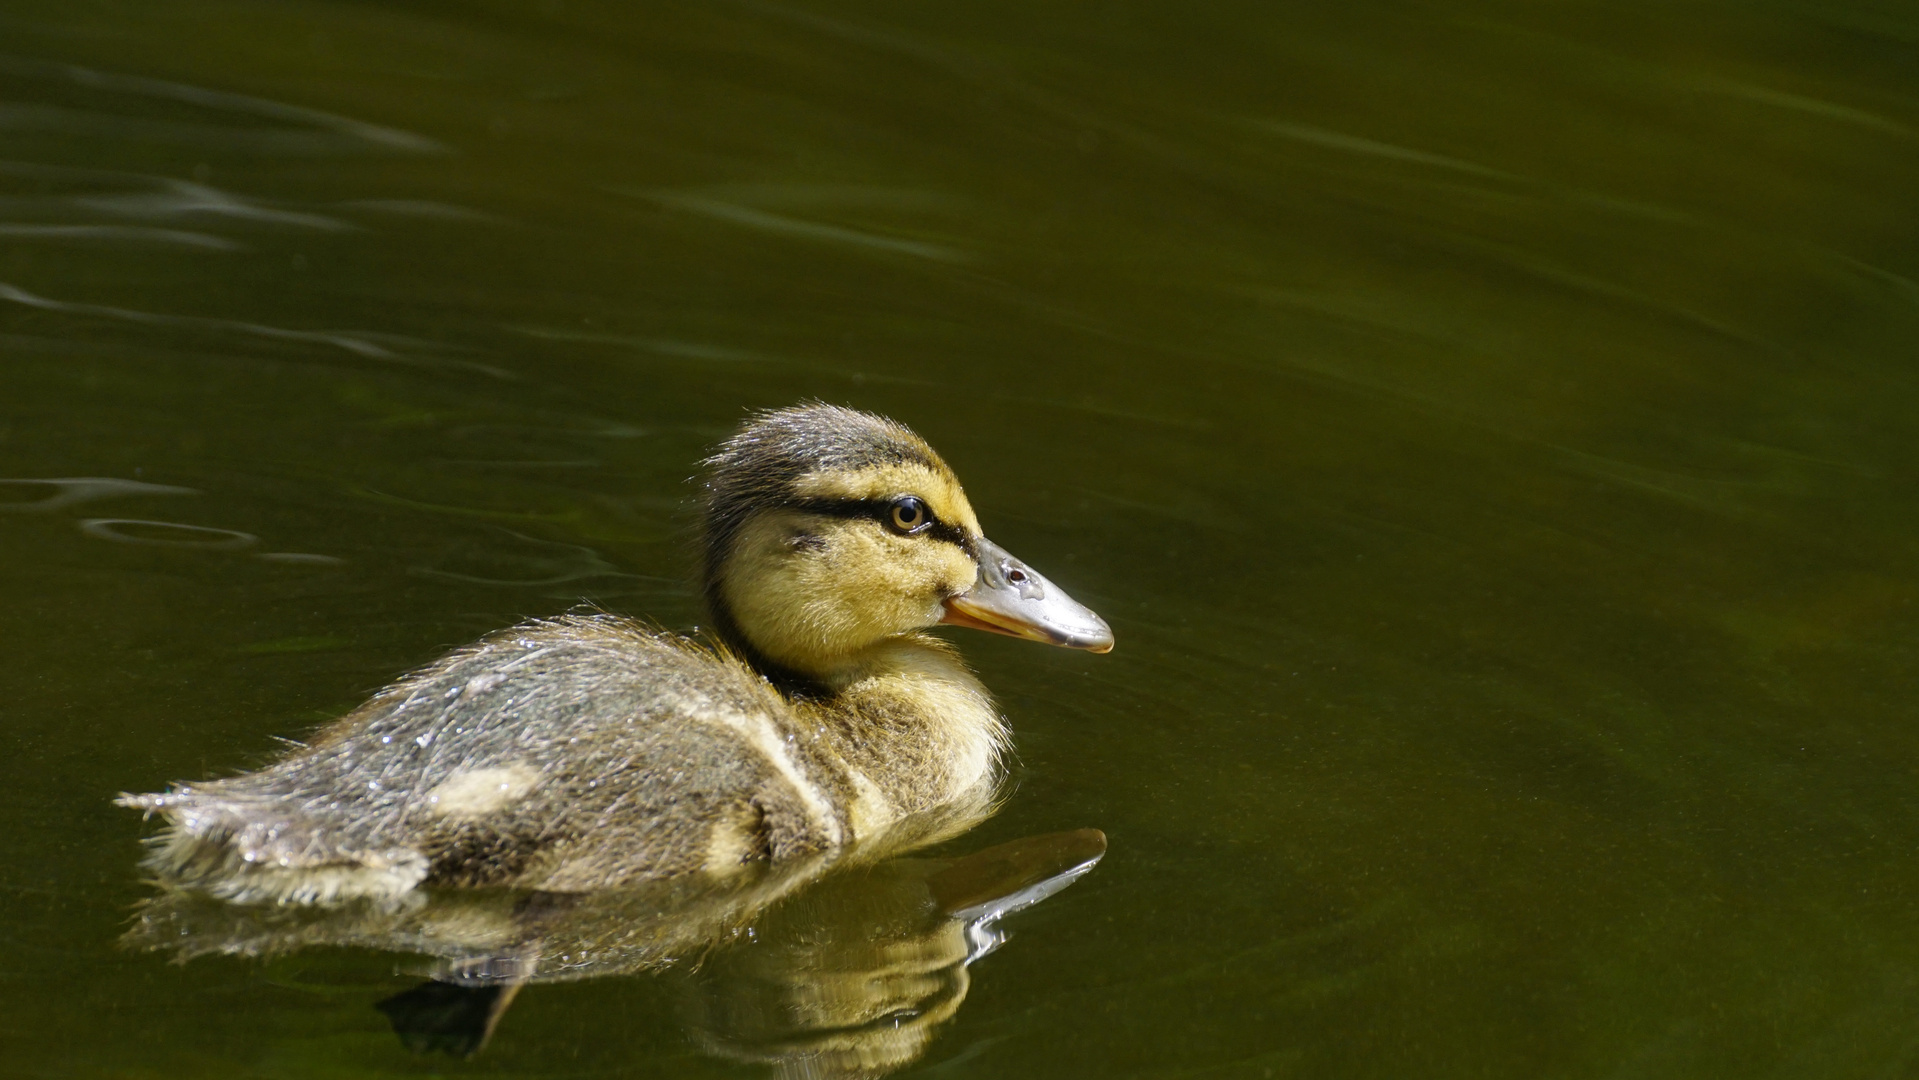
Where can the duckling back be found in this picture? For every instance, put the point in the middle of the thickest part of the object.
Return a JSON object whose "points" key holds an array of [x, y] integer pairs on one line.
{"points": [[571, 754]]}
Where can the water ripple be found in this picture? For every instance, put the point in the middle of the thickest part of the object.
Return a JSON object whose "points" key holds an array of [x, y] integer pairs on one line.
{"points": [[111, 233], [68, 490], [523, 561], [349, 342], [299, 558], [309, 132], [1354, 144], [420, 208], [798, 228], [359, 343], [67, 203], [185, 198], [166, 534]]}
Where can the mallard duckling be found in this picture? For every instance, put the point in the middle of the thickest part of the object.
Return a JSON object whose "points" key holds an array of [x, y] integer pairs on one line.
{"points": [[584, 753]]}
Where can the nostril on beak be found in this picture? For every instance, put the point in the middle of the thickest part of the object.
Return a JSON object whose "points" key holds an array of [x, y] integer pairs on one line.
{"points": [[1030, 585]]}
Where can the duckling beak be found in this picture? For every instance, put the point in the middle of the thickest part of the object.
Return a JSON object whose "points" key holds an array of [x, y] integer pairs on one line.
{"points": [[1012, 598]]}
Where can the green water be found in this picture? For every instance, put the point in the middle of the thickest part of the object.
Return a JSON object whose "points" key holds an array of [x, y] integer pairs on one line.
{"points": [[1491, 429]]}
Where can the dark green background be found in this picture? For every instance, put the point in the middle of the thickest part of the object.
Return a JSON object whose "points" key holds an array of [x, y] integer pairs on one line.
{"points": [[1490, 429]]}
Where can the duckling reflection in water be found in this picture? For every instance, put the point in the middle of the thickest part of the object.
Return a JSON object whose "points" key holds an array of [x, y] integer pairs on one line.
{"points": [[850, 977], [588, 753]]}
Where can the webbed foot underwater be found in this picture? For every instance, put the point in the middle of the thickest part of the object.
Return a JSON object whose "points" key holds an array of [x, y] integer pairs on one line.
{"points": [[585, 753]]}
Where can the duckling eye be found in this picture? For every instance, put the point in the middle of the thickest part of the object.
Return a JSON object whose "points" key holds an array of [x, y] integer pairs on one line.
{"points": [[910, 515]]}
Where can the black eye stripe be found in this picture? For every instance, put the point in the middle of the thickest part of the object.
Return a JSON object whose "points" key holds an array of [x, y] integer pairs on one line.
{"points": [[953, 534], [843, 508], [882, 512]]}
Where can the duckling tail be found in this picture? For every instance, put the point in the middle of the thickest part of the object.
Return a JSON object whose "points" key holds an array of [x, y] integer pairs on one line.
{"points": [[251, 851]]}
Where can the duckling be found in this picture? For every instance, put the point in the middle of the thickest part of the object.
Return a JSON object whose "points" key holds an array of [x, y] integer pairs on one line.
{"points": [[591, 752]]}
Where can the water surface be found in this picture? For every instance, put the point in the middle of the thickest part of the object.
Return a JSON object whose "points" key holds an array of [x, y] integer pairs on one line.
{"points": [[1490, 429]]}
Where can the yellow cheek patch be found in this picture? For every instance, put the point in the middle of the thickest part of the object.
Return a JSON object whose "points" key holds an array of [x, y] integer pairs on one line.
{"points": [[810, 591], [938, 487], [953, 569]]}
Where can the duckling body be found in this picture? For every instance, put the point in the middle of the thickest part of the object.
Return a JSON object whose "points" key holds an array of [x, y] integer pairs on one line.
{"points": [[589, 752], [577, 754]]}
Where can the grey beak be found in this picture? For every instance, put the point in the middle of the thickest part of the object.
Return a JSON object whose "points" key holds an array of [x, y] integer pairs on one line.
{"points": [[1012, 598]]}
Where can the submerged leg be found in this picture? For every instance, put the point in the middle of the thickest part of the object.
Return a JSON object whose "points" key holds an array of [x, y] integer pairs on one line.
{"points": [[448, 1017]]}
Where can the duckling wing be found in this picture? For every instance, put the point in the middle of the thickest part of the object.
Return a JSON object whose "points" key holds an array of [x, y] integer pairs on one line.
{"points": [[612, 754], [569, 754]]}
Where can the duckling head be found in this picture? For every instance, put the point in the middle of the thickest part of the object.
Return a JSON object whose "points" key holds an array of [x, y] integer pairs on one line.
{"points": [[830, 532]]}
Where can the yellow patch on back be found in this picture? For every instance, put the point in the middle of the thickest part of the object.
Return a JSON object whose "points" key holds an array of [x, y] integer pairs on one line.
{"points": [[476, 792], [730, 842], [869, 810]]}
